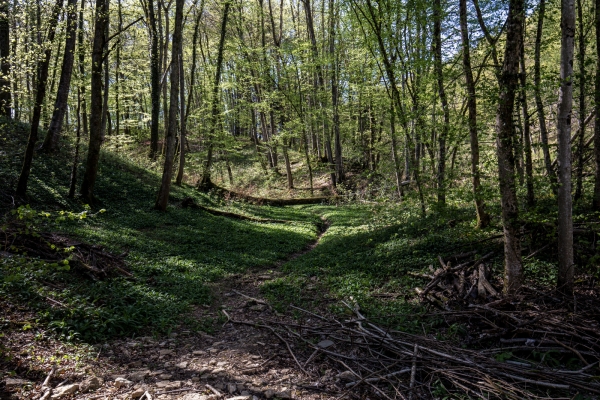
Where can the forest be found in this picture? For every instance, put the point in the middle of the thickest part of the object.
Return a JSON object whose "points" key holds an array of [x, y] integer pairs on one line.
{"points": [[299, 199]]}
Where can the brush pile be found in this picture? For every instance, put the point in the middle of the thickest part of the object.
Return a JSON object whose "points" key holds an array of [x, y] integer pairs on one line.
{"points": [[456, 287], [361, 359], [53, 249]]}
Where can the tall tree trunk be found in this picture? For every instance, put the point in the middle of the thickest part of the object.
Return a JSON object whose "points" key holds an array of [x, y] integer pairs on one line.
{"points": [[437, 54], [42, 78], [73, 184], [105, 113], [596, 200], [508, 83], [183, 140], [565, 104], [176, 58], [118, 71], [60, 105], [81, 52], [582, 110], [339, 162], [288, 167], [96, 110], [5, 106], [526, 129], [206, 182], [155, 81], [537, 78]]}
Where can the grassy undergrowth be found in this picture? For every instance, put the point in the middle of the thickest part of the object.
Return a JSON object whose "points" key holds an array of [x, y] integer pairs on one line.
{"points": [[172, 255], [366, 256]]}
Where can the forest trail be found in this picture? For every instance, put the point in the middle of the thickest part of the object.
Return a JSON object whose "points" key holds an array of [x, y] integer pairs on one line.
{"points": [[234, 362]]}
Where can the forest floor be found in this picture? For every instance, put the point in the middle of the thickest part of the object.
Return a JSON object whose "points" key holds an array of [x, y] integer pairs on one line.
{"points": [[234, 362], [228, 299]]}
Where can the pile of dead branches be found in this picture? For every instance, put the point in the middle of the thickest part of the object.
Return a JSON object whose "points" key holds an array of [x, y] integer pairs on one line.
{"points": [[92, 260], [453, 287], [370, 361]]}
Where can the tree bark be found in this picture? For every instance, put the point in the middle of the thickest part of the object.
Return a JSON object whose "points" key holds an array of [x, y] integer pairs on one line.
{"points": [[60, 105], [483, 219], [526, 129], [508, 83], [155, 81], [582, 110], [437, 54], [538, 97], [42, 78], [339, 163], [206, 182], [565, 104], [5, 105], [96, 109], [596, 200], [81, 52], [176, 49]]}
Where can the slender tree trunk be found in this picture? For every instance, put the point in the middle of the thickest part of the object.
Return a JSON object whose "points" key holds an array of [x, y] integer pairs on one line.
{"points": [[155, 81], [42, 78], [339, 162], [508, 83], [118, 71], [206, 182], [526, 130], [96, 110], [73, 184], [437, 42], [537, 77], [81, 52], [163, 193], [182, 118], [183, 140], [288, 167], [105, 113], [60, 106], [596, 200], [582, 110], [565, 104], [5, 106]]}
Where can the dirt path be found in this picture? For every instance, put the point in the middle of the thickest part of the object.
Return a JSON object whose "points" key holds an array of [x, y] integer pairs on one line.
{"points": [[236, 362]]}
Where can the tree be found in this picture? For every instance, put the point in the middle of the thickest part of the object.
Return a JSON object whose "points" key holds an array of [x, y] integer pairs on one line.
{"points": [[162, 199], [60, 106], [538, 97], [508, 83], [96, 106], [42, 78], [437, 54], [154, 79], [5, 106], [565, 105], [483, 219], [596, 200], [206, 182]]}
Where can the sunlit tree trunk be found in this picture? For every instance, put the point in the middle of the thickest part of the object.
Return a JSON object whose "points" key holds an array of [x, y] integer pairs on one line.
{"points": [[565, 104], [60, 105], [206, 182], [526, 130], [5, 96], [162, 199], [42, 78], [437, 54], [483, 219], [537, 77], [508, 84], [96, 110], [154, 81]]}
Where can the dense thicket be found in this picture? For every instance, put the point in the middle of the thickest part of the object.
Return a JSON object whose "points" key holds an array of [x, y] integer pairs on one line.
{"points": [[436, 100]]}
